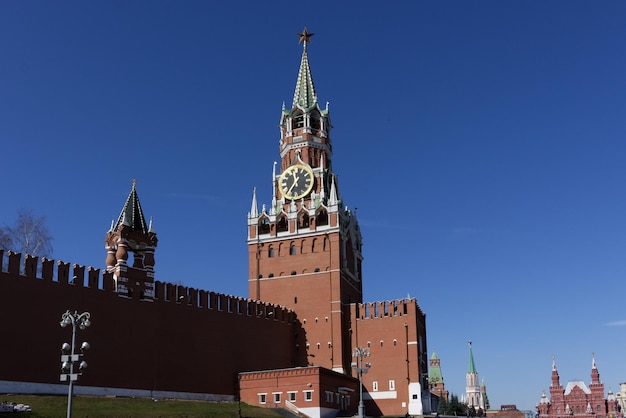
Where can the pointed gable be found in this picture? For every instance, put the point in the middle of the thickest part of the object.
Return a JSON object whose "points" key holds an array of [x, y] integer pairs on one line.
{"points": [[132, 214]]}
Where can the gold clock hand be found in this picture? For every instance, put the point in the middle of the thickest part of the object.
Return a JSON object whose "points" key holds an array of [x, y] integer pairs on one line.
{"points": [[295, 182]]}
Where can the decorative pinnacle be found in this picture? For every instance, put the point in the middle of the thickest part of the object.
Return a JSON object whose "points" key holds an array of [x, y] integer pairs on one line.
{"points": [[305, 37]]}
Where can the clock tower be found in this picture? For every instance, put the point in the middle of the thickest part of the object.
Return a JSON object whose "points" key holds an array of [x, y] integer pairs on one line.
{"points": [[305, 247]]}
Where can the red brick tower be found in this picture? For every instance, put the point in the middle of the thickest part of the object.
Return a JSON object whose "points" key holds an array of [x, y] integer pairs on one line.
{"points": [[130, 234], [435, 378], [305, 248]]}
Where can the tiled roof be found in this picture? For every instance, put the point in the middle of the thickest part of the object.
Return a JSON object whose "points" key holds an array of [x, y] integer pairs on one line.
{"points": [[131, 214], [304, 96]]}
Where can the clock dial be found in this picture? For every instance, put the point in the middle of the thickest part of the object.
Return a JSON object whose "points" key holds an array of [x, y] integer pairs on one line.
{"points": [[296, 181]]}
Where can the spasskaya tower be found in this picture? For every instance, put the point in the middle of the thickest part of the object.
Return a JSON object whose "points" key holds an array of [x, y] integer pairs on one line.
{"points": [[304, 248]]}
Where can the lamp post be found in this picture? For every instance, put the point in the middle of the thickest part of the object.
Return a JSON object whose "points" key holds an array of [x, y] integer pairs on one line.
{"points": [[361, 353], [69, 355]]}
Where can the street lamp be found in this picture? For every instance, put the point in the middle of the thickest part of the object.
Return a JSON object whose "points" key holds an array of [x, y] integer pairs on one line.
{"points": [[69, 355], [361, 353]]}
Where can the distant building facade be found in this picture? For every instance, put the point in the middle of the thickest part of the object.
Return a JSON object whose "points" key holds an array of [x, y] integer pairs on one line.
{"points": [[621, 396], [506, 411], [578, 399], [435, 378]]}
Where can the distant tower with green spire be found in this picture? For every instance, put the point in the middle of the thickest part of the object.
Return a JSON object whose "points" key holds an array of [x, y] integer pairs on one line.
{"points": [[435, 378], [472, 387]]}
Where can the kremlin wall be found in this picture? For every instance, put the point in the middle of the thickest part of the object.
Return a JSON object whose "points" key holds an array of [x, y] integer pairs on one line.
{"points": [[183, 343]]}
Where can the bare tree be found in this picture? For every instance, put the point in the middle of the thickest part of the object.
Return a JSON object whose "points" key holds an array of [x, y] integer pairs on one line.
{"points": [[29, 235]]}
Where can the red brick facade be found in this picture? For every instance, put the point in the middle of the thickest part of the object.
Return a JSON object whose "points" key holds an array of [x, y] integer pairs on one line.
{"points": [[305, 253], [576, 399]]}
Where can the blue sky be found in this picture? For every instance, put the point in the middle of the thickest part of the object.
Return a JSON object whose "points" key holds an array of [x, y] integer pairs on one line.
{"points": [[483, 144]]}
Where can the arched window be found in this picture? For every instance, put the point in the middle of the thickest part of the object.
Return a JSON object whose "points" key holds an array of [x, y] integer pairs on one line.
{"points": [[315, 120], [292, 249], [313, 245], [264, 226], [303, 220], [270, 252], [303, 247], [281, 225], [298, 120], [321, 218]]}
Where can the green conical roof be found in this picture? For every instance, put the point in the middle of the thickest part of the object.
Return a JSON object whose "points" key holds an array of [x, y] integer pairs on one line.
{"points": [[471, 368], [434, 374], [305, 96]]}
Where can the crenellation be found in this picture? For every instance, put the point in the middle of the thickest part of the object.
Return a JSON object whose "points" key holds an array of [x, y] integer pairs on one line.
{"points": [[93, 278], [30, 266], [63, 272], [47, 269], [14, 263], [383, 309], [78, 277]]}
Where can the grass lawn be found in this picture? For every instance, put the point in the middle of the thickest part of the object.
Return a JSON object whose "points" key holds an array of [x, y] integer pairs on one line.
{"points": [[100, 407]]}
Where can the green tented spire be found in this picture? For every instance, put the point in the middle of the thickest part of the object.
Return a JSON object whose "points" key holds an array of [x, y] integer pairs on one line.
{"points": [[304, 96], [434, 374], [132, 215], [471, 368]]}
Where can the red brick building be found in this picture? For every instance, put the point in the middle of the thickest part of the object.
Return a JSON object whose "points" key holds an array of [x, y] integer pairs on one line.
{"points": [[290, 343], [578, 399], [305, 253], [435, 378]]}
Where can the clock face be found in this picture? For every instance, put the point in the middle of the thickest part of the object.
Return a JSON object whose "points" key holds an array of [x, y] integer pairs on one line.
{"points": [[296, 181]]}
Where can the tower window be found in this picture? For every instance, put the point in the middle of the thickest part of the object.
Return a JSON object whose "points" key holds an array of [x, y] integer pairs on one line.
{"points": [[303, 221], [315, 120], [270, 252], [293, 273], [270, 275], [292, 249], [298, 120], [264, 226], [317, 269], [282, 224], [322, 218]]}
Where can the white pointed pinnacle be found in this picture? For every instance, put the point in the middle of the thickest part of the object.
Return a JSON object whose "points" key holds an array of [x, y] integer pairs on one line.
{"points": [[150, 226], [254, 209]]}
